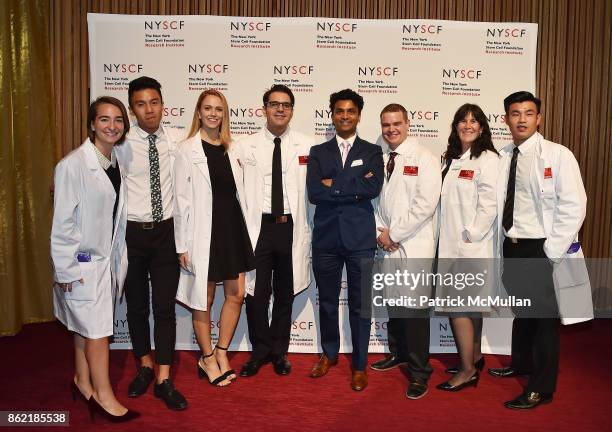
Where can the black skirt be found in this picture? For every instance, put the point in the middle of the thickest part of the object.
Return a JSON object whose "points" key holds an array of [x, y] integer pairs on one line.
{"points": [[231, 252]]}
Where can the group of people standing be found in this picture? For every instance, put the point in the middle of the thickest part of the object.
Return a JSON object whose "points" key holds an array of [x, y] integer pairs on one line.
{"points": [[134, 206]]}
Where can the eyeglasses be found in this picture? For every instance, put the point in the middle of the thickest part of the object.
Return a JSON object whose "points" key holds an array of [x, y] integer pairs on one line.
{"points": [[277, 105]]}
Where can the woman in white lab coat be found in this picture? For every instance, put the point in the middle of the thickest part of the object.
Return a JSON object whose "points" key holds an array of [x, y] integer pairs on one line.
{"points": [[467, 213], [210, 232], [89, 253]]}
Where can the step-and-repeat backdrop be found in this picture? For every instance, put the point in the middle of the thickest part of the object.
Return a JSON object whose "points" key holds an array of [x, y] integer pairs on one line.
{"points": [[430, 67]]}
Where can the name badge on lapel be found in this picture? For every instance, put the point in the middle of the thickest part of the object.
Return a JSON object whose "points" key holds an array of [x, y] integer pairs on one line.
{"points": [[466, 174], [411, 170], [303, 160], [547, 173], [357, 162]]}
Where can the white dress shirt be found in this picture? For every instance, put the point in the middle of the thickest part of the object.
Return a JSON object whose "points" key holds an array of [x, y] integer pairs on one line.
{"points": [[266, 167], [138, 177], [350, 141], [526, 223]]}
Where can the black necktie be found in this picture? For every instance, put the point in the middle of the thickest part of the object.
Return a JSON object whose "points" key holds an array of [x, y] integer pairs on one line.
{"points": [[277, 179], [508, 217], [157, 210], [391, 164]]}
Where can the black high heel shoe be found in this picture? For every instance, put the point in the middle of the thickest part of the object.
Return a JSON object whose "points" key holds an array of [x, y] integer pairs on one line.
{"points": [[76, 393], [96, 408], [202, 373], [228, 374], [479, 365], [472, 382]]}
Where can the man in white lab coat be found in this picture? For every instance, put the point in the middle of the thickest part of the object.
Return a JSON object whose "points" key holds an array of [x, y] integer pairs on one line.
{"points": [[404, 221], [274, 162], [541, 207]]}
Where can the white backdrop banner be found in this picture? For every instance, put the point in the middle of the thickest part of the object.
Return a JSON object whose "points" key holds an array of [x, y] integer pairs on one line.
{"points": [[431, 67]]}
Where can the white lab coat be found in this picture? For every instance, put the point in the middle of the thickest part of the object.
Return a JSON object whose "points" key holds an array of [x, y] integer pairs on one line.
{"points": [[561, 208], [468, 207], [406, 207], [407, 203], [193, 217], [83, 222], [468, 211], [252, 156]]}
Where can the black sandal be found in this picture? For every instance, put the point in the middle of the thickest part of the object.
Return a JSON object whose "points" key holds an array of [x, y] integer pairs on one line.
{"points": [[202, 373], [229, 373]]}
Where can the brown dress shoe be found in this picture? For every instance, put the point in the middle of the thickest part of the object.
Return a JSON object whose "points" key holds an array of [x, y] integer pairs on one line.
{"points": [[359, 380], [322, 366]]}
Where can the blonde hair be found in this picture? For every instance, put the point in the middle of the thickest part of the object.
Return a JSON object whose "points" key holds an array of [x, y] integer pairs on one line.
{"points": [[224, 129]]}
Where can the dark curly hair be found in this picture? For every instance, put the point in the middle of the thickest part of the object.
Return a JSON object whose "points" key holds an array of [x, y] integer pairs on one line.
{"points": [[482, 143], [346, 94]]}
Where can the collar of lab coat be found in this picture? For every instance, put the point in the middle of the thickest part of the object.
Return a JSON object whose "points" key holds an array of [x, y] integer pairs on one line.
{"points": [[270, 136], [533, 143], [466, 155], [529, 145], [406, 148], [197, 151], [91, 160]]}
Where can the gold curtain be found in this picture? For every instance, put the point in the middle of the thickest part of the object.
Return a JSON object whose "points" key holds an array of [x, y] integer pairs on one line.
{"points": [[27, 151]]}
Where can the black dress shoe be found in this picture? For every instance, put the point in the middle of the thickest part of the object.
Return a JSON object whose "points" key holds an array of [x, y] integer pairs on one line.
{"points": [[173, 398], [96, 409], [281, 365], [479, 365], [506, 372], [529, 400], [389, 362], [471, 382], [76, 393], [251, 367], [140, 383], [416, 389]]}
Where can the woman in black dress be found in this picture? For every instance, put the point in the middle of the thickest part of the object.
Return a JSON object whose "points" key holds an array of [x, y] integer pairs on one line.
{"points": [[211, 236]]}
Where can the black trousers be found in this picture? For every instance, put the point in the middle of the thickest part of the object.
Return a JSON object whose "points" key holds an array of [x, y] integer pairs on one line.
{"points": [[274, 274], [152, 252], [409, 340], [535, 332]]}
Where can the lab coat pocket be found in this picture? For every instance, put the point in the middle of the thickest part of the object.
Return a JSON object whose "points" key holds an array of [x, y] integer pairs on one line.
{"points": [[471, 250], [88, 290], [547, 194], [570, 271]]}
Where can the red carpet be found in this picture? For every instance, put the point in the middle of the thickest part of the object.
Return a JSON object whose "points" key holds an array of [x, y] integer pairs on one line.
{"points": [[37, 369]]}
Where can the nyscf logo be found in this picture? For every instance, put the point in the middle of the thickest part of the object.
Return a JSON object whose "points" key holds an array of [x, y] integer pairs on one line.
{"points": [[378, 70], [293, 70], [423, 115], [174, 111], [506, 32], [422, 28], [247, 112], [336, 27], [208, 68], [323, 113], [462, 73], [250, 26], [122, 67], [164, 25]]}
